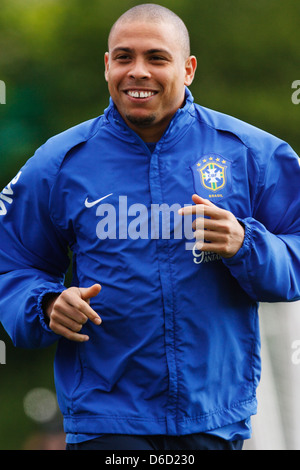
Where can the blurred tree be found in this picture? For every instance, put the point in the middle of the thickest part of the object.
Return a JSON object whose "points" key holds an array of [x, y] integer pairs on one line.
{"points": [[52, 61]]}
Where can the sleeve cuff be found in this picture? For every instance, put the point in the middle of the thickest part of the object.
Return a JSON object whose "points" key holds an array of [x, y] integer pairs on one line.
{"points": [[40, 306], [245, 248]]}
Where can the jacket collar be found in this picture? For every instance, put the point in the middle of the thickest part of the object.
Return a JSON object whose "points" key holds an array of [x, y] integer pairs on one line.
{"points": [[179, 124]]}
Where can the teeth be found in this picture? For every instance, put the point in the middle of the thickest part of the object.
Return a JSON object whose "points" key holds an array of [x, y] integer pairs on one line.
{"points": [[140, 94]]}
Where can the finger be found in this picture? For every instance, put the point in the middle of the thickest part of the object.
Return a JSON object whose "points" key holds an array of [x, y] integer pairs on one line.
{"points": [[80, 302], [199, 223], [198, 207], [69, 334], [89, 313], [71, 304], [86, 294], [72, 323], [209, 210], [214, 225], [67, 317], [66, 326], [200, 200], [211, 247], [89, 292], [210, 236]]}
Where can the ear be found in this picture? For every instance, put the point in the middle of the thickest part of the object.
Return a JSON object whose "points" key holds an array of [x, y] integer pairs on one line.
{"points": [[190, 69], [106, 63]]}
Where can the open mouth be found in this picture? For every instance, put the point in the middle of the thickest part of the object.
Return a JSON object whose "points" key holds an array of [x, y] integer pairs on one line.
{"points": [[140, 94]]}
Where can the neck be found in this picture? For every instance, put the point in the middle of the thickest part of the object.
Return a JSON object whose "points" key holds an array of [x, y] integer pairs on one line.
{"points": [[148, 135], [151, 131]]}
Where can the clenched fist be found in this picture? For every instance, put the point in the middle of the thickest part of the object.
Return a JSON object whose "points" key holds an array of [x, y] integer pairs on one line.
{"points": [[70, 310], [218, 231]]}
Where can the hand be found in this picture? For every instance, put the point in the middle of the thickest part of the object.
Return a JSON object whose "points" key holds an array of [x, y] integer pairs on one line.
{"points": [[70, 310], [220, 233]]}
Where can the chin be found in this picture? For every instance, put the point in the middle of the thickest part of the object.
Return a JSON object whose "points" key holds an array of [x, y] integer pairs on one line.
{"points": [[141, 121]]}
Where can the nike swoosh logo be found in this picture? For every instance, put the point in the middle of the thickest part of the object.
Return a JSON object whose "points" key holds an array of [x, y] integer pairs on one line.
{"points": [[93, 203]]}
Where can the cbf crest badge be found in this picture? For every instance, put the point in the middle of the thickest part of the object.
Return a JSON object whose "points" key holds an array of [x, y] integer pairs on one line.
{"points": [[212, 176]]}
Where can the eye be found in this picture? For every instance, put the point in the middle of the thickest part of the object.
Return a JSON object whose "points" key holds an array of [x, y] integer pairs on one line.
{"points": [[159, 60], [122, 58]]}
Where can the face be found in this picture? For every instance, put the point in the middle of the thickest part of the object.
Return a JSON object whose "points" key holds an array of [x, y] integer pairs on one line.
{"points": [[146, 73]]}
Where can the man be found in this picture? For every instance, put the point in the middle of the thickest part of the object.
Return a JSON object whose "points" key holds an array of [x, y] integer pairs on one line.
{"points": [[158, 343]]}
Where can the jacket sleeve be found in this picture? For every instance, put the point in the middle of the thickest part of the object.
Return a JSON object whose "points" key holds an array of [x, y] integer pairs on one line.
{"points": [[33, 254], [268, 264]]}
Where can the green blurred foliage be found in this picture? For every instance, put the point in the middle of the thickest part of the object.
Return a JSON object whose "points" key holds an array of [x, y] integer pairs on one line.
{"points": [[51, 59]]}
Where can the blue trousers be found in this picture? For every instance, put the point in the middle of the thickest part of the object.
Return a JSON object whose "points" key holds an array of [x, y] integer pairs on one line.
{"points": [[199, 441]]}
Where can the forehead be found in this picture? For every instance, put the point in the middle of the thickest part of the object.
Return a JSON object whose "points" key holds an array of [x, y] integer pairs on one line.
{"points": [[139, 34]]}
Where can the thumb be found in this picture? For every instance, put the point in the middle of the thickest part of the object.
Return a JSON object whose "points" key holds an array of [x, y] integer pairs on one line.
{"points": [[88, 292], [200, 200]]}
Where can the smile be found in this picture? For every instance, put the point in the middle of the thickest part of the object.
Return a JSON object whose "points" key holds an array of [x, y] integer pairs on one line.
{"points": [[140, 94]]}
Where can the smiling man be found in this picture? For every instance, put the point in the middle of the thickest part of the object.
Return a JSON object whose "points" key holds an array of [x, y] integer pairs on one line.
{"points": [[158, 346], [147, 69]]}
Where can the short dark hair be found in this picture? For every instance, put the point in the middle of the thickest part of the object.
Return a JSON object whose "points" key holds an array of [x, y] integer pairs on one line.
{"points": [[151, 12]]}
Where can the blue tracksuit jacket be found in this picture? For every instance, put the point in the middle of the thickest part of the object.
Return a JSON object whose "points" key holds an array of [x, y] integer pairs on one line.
{"points": [[178, 351]]}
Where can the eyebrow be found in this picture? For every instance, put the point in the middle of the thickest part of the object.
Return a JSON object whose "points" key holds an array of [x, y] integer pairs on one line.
{"points": [[159, 51], [148, 52]]}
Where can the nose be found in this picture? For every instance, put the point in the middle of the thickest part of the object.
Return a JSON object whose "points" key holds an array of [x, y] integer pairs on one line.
{"points": [[139, 70]]}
